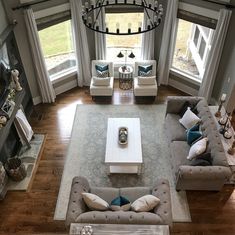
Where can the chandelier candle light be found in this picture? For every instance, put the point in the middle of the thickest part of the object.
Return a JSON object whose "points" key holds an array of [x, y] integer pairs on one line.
{"points": [[93, 9]]}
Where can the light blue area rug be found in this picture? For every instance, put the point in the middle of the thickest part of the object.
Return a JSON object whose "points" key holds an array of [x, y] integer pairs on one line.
{"points": [[86, 153]]}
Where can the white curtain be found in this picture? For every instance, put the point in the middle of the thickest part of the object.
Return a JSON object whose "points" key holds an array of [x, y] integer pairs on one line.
{"points": [[100, 38], [80, 44], [46, 89], [147, 44], [215, 54], [168, 39]]}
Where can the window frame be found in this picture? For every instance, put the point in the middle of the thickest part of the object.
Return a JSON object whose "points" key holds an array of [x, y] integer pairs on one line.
{"points": [[62, 10], [124, 11], [203, 12]]}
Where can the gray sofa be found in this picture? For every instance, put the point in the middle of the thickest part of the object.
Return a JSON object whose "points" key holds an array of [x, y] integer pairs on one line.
{"points": [[78, 212], [189, 177]]}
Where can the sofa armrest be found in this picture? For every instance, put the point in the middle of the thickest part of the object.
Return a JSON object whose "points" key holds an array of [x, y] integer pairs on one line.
{"points": [[204, 172], [76, 204], [175, 103], [161, 190]]}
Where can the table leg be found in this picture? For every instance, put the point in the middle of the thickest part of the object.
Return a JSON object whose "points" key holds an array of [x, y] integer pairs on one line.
{"points": [[139, 169]]}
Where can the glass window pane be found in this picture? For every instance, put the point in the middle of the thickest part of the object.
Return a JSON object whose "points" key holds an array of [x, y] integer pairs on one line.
{"points": [[116, 43], [196, 36], [57, 46], [183, 59], [190, 49], [202, 48]]}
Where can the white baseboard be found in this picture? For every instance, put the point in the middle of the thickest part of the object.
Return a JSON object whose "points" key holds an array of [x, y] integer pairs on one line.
{"points": [[182, 87], [37, 100], [65, 87]]}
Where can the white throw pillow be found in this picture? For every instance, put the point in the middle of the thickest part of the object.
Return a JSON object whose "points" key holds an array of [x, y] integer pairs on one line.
{"points": [[94, 202], [98, 81], [198, 148], [147, 80], [145, 203], [189, 119]]}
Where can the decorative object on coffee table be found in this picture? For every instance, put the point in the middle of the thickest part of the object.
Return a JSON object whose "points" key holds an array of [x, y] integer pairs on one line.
{"points": [[15, 169], [123, 135], [222, 100]]}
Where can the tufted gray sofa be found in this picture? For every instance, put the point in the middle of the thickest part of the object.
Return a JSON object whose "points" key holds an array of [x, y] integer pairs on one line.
{"points": [[79, 213], [189, 177]]}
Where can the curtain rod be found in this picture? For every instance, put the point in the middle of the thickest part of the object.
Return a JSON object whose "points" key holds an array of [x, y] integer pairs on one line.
{"points": [[227, 5], [26, 5]]}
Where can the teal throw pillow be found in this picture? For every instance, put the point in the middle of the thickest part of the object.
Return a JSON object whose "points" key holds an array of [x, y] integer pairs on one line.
{"points": [[193, 134], [120, 204], [145, 71], [102, 71]]}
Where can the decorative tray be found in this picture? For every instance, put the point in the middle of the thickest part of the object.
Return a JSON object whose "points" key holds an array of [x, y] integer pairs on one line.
{"points": [[123, 135]]}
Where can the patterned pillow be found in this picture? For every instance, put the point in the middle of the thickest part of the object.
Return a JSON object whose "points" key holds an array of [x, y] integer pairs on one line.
{"points": [[120, 204], [102, 71], [145, 71]]}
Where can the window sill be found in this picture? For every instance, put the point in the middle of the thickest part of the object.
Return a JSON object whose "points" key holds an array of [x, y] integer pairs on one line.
{"points": [[185, 76], [63, 75]]}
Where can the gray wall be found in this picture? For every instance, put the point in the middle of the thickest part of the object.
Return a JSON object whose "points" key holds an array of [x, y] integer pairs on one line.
{"points": [[226, 67], [3, 18], [23, 44]]}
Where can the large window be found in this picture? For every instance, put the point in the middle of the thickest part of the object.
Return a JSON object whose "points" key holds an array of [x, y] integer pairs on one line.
{"points": [[116, 43], [58, 50], [193, 43]]}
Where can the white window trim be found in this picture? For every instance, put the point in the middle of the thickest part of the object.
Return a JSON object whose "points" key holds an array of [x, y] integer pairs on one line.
{"points": [[213, 14], [51, 11], [204, 12], [63, 75], [185, 76]]}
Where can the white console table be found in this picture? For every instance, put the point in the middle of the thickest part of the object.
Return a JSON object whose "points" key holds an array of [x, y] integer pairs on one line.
{"points": [[226, 143]]}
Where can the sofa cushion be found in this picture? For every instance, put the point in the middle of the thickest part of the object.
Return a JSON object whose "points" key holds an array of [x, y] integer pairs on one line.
{"points": [[193, 134], [120, 204], [145, 203], [179, 153], [145, 71], [119, 217], [99, 81], [189, 119], [95, 202], [197, 149], [147, 80], [174, 130], [134, 193], [185, 108], [204, 159], [102, 71], [108, 194]]}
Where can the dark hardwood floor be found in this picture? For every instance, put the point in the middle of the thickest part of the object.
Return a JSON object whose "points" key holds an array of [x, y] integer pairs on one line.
{"points": [[32, 212]]}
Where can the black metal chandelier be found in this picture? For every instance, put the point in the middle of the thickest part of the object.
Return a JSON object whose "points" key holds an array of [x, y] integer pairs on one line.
{"points": [[92, 11]]}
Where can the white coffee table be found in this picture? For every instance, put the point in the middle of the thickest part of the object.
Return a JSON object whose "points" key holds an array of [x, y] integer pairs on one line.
{"points": [[128, 158]]}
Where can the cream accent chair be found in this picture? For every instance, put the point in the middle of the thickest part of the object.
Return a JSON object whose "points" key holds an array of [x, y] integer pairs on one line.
{"points": [[102, 90], [145, 90]]}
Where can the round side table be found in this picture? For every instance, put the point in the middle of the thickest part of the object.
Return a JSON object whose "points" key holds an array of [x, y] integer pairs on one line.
{"points": [[125, 77]]}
